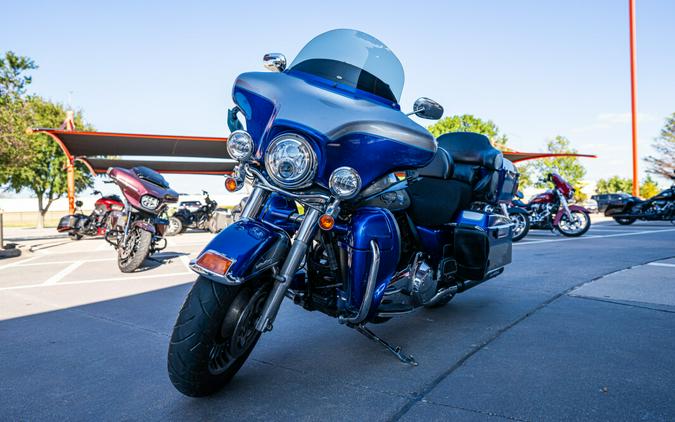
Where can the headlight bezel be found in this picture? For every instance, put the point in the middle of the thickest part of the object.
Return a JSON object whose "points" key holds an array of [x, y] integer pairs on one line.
{"points": [[147, 197], [306, 177], [234, 142], [340, 172]]}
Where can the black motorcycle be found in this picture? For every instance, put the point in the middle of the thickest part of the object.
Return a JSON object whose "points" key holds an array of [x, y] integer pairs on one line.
{"points": [[660, 207], [203, 218]]}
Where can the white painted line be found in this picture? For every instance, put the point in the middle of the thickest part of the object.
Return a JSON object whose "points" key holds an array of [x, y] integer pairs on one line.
{"points": [[64, 272], [185, 259], [100, 280], [595, 237], [15, 263], [84, 261], [661, 264]]}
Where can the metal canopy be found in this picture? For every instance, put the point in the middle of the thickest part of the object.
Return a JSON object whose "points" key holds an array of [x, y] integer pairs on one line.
{"points": [[515, 156], [101, 165], [88, 144]]}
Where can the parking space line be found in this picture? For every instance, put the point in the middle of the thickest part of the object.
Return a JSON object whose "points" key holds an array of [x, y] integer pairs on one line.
{"points": [[13, 264], [84, 261], [601, 236], [61, 274], [661, 264], [99, 280], [185, 259]]}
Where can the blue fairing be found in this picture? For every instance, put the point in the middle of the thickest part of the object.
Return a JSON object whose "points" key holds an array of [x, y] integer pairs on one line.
{"points": [[368, 224], [347, 127], [277, 211], [252, 245]]}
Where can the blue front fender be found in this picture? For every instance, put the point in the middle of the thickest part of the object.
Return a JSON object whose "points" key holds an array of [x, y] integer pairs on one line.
{"points": [[253, 247]]}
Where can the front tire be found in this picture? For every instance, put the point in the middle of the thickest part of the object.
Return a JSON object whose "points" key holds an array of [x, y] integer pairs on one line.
{"points": [[175, 226], [580, 224], [213, 335], [131, 256]]}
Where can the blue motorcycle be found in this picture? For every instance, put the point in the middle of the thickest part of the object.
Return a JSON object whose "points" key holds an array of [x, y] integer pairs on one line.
{"points": [[356, 211]]}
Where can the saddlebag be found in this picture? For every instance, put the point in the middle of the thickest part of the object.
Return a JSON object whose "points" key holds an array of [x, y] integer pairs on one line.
{"points": [[71, 222], [482, 244]]}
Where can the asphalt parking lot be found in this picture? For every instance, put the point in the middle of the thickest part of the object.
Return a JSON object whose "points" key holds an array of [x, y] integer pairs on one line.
{"points": [[575, 329]]}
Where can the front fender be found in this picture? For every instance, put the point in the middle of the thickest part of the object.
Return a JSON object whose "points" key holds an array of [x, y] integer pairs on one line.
{"points": [[143, 225], [561, 211], [252, 246], [517, 210]]}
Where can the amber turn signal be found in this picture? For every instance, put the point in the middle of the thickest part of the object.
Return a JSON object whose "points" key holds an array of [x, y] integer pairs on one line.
{"points": [[231, 184], [214, 263], [326, 222]]}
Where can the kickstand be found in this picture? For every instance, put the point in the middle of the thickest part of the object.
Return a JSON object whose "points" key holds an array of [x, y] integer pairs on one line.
{"points": [[396, 350]]}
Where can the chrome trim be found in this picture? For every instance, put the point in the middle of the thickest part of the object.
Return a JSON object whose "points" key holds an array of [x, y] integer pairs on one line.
{"points": [[370, 288], [254, 203], [275, 62], [220, 278], [264, 184]]}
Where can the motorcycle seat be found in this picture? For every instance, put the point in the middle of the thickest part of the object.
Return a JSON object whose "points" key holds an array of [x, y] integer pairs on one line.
{"points": [[441, 166]]}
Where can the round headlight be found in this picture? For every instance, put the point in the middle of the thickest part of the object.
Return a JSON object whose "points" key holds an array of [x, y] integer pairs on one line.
{"points": [[149, 202], [290, 161], [240, 145], [344, 182]]}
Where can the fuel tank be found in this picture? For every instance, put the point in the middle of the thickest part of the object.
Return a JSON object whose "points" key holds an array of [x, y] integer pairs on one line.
{"points": [[346, 128], [543, 198]]}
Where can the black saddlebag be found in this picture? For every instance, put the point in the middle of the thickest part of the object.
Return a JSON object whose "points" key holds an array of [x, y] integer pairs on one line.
{"points": [[71, 222], [482, 244]]}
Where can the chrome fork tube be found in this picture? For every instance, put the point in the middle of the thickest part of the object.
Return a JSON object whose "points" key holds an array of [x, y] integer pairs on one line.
{"points": [[255, 201], [301, 242]]}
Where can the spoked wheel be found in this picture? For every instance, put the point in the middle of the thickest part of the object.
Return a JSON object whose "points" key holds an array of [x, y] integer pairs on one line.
{"points": [[521, 226], [575, 226], [131, 256], [175, 226], [214, 334], [624, 221]]}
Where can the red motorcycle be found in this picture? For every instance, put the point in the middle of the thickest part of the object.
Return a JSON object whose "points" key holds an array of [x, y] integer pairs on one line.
{"points": [[97, 223], [139, 230], [550, 210]]}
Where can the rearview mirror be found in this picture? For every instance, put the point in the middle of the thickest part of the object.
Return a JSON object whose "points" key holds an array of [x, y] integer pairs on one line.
{"points": [[78, 203], [520, 195], [276, 62], [426, 108]]}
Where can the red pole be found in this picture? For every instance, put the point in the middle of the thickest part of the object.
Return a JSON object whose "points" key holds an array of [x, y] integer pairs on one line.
{"points": [[633, 94]]}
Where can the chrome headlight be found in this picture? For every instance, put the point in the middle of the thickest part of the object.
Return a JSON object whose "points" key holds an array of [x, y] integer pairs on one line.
{"points": [[290, 161], [149, 202], [344, 182], [240, 145]]}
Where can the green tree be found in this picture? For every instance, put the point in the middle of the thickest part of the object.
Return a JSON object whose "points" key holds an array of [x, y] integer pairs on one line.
{"points": [[469, 123], [570, 168], [614, 184], [663, 164], [33, 162], [649, 188], [14, 112]]}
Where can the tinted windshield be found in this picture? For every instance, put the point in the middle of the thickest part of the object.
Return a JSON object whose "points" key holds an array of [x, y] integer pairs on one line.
{"points": [[353, 58]]}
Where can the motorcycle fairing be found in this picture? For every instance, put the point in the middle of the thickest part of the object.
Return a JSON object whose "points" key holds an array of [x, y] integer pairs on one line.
{"points": [[277, 211], [253, 247], [561, 211], [367, 224], [334, 120]]}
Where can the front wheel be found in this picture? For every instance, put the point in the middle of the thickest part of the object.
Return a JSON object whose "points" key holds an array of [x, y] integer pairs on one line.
{"points": [[175, 226], [521, 225], [626, 221], [74, 235], [577, 225], [131, 255], [213, 335]]}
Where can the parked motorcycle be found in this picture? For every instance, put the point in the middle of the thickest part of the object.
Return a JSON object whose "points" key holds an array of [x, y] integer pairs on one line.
{"points": [[97, 223], [202, 218], [550, 210], [520, 217], [327, 132], [139, 230], [659, 207]]}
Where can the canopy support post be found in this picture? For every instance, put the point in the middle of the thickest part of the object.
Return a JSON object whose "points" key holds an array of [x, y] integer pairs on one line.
{"points": [[69, 124]]}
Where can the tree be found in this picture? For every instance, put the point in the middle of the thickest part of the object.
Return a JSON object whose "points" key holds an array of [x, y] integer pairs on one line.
{"points": [[14, 112], [649, 188], [570, 168], [469, 123], [33, 162], [614, 184], [663, 164]]}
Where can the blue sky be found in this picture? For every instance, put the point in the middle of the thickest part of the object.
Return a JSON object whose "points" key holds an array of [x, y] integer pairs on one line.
{"points": [[536, 68]]}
